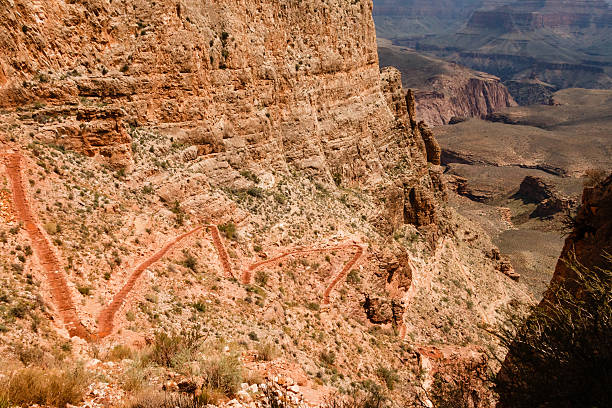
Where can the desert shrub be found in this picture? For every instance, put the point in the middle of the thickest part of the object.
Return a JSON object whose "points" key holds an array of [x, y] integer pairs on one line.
{"points": [[453, 394], [261, 277], [249, 175], [51, 228], [223, 374], [328, 357], [170, 349], [179, 213], [133, 379], [364, 395], [190, 261], [388, 376], [28, 354], [593, 177], [353, 277], [156, 399], [228, 229], [266, 351], [119, 352], [561, 355], [55, 387]]}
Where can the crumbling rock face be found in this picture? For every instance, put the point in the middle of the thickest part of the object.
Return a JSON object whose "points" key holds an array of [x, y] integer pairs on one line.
{"points": [[455, 376], [265, 85], [427, 142], [381, 310], [591, 239], [432, 147], [419, 206]]}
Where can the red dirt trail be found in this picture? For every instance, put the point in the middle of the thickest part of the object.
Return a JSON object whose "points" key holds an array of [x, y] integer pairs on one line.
{"points": [[44, 252], [247, 274], [60, 291], [105, 320], [223, 257]]}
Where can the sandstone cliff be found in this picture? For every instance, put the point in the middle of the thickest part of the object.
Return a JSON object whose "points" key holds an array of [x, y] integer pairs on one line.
{"points": [[445, 90], [289, 85], [476, 95]]}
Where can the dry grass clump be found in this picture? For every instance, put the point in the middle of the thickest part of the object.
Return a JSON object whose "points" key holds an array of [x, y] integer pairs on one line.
{"points": [[119, 352], [54, 387], [266, 351], [222, 375]]}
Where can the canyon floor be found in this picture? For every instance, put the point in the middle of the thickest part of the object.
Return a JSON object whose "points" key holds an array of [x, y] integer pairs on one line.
{"points": [[565, 145]]}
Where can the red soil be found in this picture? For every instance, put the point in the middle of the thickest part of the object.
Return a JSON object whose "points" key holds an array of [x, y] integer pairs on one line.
{"points": [[223, 257], [105, 321], [59, 287], [44, 252], [247, 274]]}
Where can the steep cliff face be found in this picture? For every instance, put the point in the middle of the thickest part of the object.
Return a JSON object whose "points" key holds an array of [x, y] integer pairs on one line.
{"points": [[282, 84], [591, 240], [444, 90], [533, 15], [462, 96]]}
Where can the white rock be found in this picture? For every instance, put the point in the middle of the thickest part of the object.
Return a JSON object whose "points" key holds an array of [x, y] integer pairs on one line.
{"points": [[294, 388], [253, 389], [92, 363], [243, 396]]}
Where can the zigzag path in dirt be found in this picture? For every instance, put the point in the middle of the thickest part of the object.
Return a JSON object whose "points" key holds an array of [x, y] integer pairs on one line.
{"points": [[59, 287], [105, 321], [248, 272], [60, 292]]}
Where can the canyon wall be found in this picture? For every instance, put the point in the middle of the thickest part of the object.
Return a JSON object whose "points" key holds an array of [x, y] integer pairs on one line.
{"points": [[462, 96], [280, 83], [273, 86], [534, 14]]}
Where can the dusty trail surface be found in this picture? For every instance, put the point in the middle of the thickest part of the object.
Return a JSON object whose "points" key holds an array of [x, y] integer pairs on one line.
{"points": [[60, 291], [247, 274], [105, 321], [223, 257], [44, 252]]}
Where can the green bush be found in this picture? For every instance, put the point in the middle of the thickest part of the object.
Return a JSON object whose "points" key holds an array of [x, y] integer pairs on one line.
{"points": [[388, 376], [170, 349], [266, 351], [228, 229]]}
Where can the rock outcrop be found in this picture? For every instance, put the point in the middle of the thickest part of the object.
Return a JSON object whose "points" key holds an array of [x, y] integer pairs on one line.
{"points": [[461, 95], [561, 356], [549, 200], [445, 90], [271, 85], [381, 310], [425, 138]]}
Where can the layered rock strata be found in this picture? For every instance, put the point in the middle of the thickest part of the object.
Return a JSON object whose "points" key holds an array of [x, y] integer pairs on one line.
{"points": [[272, 86]]}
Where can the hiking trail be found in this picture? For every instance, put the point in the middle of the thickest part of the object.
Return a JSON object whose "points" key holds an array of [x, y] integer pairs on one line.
{"points": [[60, 291]]}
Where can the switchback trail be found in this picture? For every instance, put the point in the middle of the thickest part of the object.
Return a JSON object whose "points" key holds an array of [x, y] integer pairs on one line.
{"points": [[247, 274], [105, 321], [44, 252], [60, 291], [223, 257]]}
